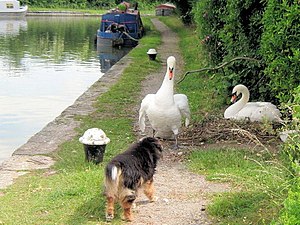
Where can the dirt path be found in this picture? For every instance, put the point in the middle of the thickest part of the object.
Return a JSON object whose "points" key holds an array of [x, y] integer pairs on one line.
{"points": [[182, 195]]}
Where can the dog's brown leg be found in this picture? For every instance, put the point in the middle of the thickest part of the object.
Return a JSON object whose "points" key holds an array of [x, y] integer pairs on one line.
{"points": [[110, 208], [149, 190], [126, 205]]}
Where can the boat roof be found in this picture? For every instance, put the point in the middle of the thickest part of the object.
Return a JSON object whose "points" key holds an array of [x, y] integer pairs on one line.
{"points": [[121, 17], [128, 11], [166, 6]]}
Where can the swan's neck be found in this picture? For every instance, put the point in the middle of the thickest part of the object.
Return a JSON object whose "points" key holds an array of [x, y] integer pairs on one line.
{"points": [[166, 92], [236, 107]]}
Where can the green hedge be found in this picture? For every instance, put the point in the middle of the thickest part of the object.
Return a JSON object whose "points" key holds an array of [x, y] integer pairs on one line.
{"points": [[87, 4], [268, 30], [230, 29], [280, 47], [208, 17], [73, 4]]}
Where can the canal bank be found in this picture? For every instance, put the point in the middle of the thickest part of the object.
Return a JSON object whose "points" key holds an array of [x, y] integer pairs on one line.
{"points": [[62, 14]]}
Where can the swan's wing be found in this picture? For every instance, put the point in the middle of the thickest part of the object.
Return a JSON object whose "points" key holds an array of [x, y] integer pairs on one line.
{"points": [[182, 103], [270, 111], [143, 110], [259, 111]]}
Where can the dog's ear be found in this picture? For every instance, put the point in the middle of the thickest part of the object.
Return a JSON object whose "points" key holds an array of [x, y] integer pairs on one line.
{"points": [[148, 139], [153, 142]]}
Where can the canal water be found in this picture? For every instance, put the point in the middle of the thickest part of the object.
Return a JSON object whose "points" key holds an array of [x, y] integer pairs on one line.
{"points": [[46, 63]]}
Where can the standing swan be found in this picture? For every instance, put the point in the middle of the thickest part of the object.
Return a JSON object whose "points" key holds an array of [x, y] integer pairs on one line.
{"points": [[164, 109], [254, 111]]}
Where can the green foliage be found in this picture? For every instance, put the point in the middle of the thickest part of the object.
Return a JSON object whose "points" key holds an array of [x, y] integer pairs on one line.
{"points": [[185, 9], [292, 146], [265, 30], [280, 46], [229, 29], [87, 4], [208, 17], [296, 104], [291, 213]]}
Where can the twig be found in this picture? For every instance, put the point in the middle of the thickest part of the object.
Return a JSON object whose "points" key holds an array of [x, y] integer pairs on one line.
{"points": [[218, 67]]}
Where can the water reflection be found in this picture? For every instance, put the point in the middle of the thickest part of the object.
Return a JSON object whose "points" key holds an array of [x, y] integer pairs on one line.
{"points": [[12, 27], [108, 56], [45, 64]]}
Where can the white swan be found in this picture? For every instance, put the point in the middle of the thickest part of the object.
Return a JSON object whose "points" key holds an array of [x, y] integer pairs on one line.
{"points": [[164, 109], [253, 111]]}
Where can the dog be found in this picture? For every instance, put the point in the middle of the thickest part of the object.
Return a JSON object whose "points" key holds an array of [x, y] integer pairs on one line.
{"points": [[129, 172]]}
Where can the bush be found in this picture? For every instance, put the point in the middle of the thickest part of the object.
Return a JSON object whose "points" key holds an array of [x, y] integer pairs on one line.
{"points": [[185, 9], [229, 29], [291, 214], [208, 17], [280, 47], [265, 30]]}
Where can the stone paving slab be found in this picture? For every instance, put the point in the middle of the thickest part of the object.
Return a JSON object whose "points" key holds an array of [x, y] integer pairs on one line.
{"points": [[7, 177], [26, 163]]}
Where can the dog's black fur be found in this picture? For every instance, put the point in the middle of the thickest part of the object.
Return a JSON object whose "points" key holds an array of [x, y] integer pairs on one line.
{"points": [[129, 171]]}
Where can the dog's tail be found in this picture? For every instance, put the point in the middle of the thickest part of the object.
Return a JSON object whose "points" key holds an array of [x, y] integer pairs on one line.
{"points": [[112, 179], [112, 172]]}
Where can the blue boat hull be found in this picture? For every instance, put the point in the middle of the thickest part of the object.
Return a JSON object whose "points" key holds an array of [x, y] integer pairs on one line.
{"points": [[120, 29]]}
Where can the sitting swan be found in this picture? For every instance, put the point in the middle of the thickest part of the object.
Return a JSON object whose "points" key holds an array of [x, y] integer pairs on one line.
{"points": [[164, 109], [254, 111]]}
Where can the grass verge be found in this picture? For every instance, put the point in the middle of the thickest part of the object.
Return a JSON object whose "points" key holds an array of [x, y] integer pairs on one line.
{"points": [[70, 192], [260, 183]]}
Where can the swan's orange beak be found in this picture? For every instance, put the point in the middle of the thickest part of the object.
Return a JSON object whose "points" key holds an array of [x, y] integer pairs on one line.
{"points": [[170, 73], [233, 98]]}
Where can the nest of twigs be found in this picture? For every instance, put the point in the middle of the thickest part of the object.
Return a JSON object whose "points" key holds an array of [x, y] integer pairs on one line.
{"points": [[219, 130]]}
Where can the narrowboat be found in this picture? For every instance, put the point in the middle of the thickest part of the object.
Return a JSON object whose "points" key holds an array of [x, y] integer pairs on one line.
{"points": [[120, 27], [12, 9]]}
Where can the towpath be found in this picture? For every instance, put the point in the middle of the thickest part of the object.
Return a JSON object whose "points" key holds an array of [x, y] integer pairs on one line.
{"points": [[182, 195]]}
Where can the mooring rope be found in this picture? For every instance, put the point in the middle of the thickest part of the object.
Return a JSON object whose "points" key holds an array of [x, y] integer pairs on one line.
{"points": [[132, 38]]}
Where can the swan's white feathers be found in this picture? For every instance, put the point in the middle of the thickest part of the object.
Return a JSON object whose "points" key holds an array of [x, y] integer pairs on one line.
{"points": [[144, 107], [164, 109], [181, 101], [253, 111]]}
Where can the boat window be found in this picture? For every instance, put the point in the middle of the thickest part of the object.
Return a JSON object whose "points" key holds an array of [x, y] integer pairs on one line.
{"points": [[104, 26], [9, 5], [131, 28]]}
